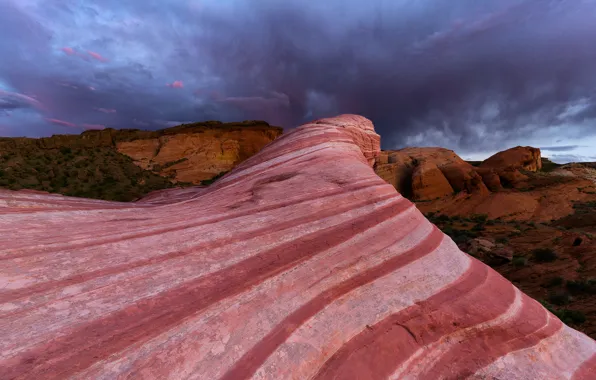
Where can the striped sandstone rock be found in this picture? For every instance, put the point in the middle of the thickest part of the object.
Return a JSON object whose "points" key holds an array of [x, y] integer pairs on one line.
{"points": [[299, 264]]}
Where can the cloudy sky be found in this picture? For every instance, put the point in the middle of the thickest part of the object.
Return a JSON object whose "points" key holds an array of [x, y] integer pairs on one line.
{"points": [[474, 76]]}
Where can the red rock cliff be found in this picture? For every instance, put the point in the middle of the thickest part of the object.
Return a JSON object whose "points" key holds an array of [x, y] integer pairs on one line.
{"points": [[300, 263]]}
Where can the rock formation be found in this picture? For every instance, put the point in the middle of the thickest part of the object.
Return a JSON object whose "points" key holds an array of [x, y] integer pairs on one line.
{"points": [[195, 153], [520, 157], [186, 153], [408, 169], [300, 263]]}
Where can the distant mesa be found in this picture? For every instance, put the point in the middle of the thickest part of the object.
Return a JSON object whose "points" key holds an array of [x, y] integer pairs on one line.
{"points": [[126, 164]]}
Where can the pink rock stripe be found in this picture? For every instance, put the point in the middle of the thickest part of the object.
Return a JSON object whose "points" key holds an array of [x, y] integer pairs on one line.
{"points": [[300, 263]]}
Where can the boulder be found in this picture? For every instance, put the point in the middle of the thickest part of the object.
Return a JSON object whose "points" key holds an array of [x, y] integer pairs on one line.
{"points": [[489, 252], [520, 157]]}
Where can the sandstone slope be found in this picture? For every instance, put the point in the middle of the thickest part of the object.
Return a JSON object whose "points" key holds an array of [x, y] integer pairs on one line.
{"points": [[300, 263]]}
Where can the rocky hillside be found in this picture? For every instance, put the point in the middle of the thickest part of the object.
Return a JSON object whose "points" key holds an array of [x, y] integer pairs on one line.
{"points": [[126, 164], [530, 219], [509, 185]]}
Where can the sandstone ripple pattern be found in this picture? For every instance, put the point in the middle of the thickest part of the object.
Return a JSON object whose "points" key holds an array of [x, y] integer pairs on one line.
{"points": [[301, 263]]}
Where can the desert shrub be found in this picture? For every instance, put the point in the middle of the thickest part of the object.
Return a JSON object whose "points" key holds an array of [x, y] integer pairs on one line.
{"points": [[65, 150], [490, 223], [554, 281], [582, 286], [442, 218], [221, 174], [478, 227], [519, 261], [480, 218], [559, 297], [544, 255], [571, 316], [502, 240]]}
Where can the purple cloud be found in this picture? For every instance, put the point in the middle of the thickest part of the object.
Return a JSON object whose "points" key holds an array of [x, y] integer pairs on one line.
{"points": [[61, 123], [106, 110], [472, 76], [97, 56]]}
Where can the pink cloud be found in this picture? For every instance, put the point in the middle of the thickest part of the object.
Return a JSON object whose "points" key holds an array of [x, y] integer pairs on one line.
{"points": [[176, 84], [91, 88], [27, 99], [93, 126], [97, 56], [106, 110], [61, 123], [68, 50]]}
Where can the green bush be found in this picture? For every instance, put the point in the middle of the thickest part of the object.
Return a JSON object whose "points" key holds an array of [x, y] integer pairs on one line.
{"points": [[582, 286], [478, 227], [480, 218], [571, 316], [502, 240], [559, 297], [519, 261], [544, 255], [555, 281]]}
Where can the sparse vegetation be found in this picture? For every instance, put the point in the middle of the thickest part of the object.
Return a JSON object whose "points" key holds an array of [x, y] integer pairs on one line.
{"points": [[210, 181], [519, 261], [100, 173], [548, 165], [544, 255], [582, 286], [554, 281], [559, 297], [566, 315]]}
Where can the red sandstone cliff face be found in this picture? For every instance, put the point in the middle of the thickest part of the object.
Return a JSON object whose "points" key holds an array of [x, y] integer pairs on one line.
{"points": [[520, 157], [197, 153], [300, 263], [409, 171]]}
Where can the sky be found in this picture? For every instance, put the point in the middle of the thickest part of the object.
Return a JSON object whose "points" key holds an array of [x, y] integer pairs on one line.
{"points": [[473, 76]]}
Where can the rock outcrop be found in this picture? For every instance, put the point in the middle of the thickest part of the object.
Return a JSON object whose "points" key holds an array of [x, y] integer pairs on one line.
{"points": [[428, 182], [411, 172], [186, 153], [520, 157], [300, 263], [197, 153]]}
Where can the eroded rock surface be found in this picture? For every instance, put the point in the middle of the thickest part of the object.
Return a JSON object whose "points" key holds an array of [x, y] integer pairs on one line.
{"points": [[198, 153], [520, 157], [300, 263]]}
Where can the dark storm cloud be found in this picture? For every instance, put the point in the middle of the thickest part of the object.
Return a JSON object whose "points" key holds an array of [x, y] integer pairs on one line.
{"points": [[562, 148], [469, 75]]}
